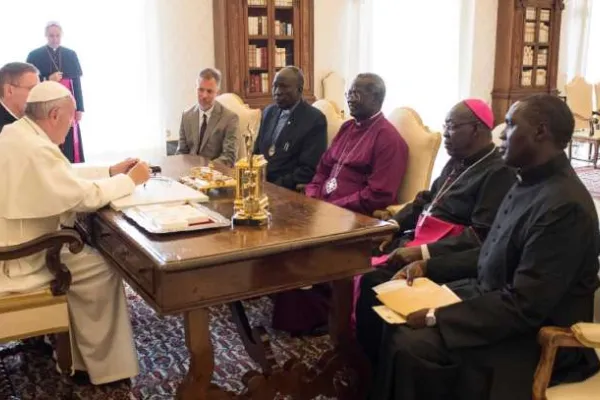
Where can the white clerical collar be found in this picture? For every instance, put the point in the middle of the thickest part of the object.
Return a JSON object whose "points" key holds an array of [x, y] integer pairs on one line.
{"points": [[371, 118], [9, 110]]}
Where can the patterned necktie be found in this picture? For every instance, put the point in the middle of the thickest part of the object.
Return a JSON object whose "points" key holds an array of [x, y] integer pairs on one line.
{"points": [[202, 131], [283, 118]]}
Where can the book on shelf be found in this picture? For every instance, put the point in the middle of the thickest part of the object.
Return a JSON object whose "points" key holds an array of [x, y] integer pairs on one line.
{"points": [[257, 2], [283, 28], [258, 25], [257, 56], [280, 57], [259, 82], [400, 300], [284, 3]]}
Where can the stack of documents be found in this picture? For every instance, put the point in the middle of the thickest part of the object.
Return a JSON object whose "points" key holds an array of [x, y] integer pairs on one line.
{"points": [[399, 300]]}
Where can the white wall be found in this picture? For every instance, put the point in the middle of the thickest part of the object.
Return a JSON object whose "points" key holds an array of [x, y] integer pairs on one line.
{"points": [[186, 43]]}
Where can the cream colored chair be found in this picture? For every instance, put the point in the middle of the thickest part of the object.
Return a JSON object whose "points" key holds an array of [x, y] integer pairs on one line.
{"points": [[248, 117], [580, 100], [551, 338], [423, 146], [42, 312], [334, 85], [496, 133], [334, 119], [597, 93]]}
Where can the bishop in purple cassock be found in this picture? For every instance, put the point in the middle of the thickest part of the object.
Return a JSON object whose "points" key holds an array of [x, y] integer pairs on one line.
{"points": [[361, 171]]}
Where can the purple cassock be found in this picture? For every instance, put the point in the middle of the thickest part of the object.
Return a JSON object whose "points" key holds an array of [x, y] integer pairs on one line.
{"points": [[361, 171]]}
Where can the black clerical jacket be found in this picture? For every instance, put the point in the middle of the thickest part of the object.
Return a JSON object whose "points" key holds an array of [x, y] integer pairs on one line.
{"points": [[5, 117], [298, 148], [537, 267], [67, 61], [472, 200]]}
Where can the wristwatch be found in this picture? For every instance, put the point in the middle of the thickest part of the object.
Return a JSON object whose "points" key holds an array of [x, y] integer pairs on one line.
{"points": [[430, 318]]}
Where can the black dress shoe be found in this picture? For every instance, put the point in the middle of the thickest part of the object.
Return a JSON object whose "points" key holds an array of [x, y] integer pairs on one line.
{"points": [[82, 378], [314, 332]]}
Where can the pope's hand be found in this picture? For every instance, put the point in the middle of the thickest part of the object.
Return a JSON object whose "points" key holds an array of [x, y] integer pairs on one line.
{"points": [[123, 167], [78, 115], [140, 173], [56, 77]]}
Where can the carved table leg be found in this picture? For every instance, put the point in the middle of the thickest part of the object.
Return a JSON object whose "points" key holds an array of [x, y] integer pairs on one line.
{"points": [[196, 385], [63, 352], [256, 340]]}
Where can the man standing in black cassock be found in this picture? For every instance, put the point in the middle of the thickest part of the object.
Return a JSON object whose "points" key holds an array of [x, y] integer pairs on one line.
{"points": [[537, 267], [60, 64]]}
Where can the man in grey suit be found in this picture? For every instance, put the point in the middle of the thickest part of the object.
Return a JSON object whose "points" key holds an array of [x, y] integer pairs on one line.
{"points": [[208, 128]]}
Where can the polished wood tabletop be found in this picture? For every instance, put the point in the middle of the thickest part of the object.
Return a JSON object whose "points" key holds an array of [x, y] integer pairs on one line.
{"points": [[297, 222]]}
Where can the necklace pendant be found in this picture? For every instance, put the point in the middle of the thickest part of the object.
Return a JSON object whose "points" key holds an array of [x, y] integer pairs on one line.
{"points": [[331, 185]]}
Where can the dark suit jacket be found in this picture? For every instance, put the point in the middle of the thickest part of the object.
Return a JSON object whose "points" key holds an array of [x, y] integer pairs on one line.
{"points": [[69, 64], [5, 117], [299, 146]]}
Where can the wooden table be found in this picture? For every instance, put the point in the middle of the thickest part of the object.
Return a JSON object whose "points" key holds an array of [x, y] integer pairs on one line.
{"points": [[307, 242]]}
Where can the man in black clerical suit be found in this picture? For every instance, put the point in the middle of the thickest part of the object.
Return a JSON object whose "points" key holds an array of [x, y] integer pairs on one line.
{"points": [[466, 195], [60, 64], [538, 266], [16, 80], [293, 134]]}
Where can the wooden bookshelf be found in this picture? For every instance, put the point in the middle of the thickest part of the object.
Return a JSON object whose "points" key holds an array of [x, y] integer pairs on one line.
{"points": [[256, 38], [527, 47]]}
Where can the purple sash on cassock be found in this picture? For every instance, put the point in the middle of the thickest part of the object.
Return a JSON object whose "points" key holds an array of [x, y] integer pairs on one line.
{"points": [[68, 83]]}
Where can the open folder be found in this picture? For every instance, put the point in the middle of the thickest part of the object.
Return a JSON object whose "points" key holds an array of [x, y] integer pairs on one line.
{"points": [[399, 300]]}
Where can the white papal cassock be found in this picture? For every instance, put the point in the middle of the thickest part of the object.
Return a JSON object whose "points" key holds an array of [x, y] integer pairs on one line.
{"points": [[39, 191]]}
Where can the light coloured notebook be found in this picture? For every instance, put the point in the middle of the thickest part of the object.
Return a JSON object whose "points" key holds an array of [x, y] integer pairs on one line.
{"points": [[424, 293], [159, 190]]}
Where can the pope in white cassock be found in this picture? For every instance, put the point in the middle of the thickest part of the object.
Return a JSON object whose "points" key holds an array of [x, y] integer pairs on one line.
{"points": [[40, 191]]}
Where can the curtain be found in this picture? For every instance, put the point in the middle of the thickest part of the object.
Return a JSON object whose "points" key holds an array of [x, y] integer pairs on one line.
{"points": [[577, 40], [422, 50], [115, 42]]}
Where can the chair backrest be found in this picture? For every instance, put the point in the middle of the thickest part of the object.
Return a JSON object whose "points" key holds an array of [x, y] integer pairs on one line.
{"points": [[496, 133], [597, 90], [334, 119], [423, 146], [248, 117], [334, 85], [580, 101]]}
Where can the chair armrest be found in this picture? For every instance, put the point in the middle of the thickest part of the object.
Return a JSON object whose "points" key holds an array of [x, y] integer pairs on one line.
{"points": [[52, 242], [383, 215], [300, 187], [550, 339]]}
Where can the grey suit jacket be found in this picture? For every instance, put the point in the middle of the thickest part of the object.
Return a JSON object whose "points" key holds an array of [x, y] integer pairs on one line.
{"points": [[220, 140]]}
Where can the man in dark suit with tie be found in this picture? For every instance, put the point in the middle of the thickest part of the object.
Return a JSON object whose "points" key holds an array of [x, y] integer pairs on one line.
{"points": [[208, 128], [16, 80], [293, 134]]}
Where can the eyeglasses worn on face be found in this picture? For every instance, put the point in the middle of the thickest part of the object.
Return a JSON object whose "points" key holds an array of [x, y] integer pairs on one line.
{"points": [[453, 127], [28, 88], [352, 95]]}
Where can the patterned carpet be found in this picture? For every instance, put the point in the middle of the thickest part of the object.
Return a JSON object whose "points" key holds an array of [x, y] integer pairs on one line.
{"points": [[591, 179], [163, 358]]}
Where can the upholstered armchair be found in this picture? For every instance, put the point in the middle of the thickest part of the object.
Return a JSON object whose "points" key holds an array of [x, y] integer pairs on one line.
{"points": [[333, 116], [45, 311], [334, 85], [579, 95], [496, 132], [423, 146], [248, 117]]}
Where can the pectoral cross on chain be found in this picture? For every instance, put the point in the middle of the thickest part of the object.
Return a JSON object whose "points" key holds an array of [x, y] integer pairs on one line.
{"points": [[424, 215]]}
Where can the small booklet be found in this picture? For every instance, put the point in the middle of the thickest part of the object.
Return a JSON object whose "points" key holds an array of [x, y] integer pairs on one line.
{"points": [[401, 299]]}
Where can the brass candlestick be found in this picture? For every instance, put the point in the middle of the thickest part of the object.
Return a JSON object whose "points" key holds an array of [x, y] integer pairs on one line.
{"points": [[251, 203]]}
